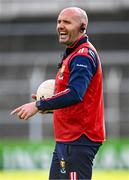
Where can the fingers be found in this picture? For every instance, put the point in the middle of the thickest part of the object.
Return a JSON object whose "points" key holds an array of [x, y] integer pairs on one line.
{"points": [[34, 96], [22, 114], [25, 111], [16, 110]]}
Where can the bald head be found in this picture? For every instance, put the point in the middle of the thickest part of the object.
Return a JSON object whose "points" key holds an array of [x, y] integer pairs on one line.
{"points": [[78, 13], [71, 25]]}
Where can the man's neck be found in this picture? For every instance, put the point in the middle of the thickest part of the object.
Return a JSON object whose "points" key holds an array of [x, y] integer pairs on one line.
{"points": [[75, 42]]}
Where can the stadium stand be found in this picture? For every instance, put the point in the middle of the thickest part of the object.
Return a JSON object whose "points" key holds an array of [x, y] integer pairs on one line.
{"points": [[29, 53]]}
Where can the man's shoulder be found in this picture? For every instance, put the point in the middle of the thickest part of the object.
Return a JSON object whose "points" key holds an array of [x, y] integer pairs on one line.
{"points": [[87, 52]]}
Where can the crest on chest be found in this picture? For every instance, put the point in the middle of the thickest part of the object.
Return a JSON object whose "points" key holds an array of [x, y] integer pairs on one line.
{"points": [[61, 72]]}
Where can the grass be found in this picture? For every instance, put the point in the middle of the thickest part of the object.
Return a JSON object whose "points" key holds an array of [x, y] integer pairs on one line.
{"points": [[111, 175], [43, 175], [26, 175]]}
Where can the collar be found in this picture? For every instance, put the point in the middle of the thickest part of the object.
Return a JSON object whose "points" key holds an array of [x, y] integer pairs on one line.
{"points": [[71, 48], [76, 44]]}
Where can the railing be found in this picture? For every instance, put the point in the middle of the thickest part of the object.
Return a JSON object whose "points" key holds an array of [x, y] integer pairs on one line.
{"points": [[13, 8], [116, 88]]}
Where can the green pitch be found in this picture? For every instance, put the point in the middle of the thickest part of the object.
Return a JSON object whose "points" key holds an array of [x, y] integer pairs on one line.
{"points": [[43, 175]]}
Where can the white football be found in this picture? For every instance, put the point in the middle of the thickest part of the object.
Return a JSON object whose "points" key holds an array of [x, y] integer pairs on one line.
{"points": [[46, 89]]}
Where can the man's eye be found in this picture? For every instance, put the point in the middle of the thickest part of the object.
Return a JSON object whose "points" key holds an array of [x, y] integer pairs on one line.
{"points": [[58, 21], [67, 22]]}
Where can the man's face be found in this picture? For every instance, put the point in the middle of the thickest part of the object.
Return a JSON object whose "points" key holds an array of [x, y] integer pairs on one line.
{"points": [[68, 28]]}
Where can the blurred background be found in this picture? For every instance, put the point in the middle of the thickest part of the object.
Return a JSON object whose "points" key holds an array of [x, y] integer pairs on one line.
{"points": [[29, 54]]}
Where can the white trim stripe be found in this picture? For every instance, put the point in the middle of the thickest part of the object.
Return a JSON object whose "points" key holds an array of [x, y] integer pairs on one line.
{"points": [[73, 175], [81, 50]]}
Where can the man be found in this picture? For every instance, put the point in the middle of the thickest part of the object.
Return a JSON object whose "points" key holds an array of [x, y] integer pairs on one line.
{"points": [[77, 103]]}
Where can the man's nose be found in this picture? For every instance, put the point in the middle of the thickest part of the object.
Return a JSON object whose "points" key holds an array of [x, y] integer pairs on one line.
{"points": [[60, 26]]}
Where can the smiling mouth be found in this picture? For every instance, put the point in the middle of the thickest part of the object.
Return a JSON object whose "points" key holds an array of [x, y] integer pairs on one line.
{"points": [[63, 35]]}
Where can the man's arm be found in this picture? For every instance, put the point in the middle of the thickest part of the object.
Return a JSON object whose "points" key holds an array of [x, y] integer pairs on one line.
{"points": [[82, 69]]}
